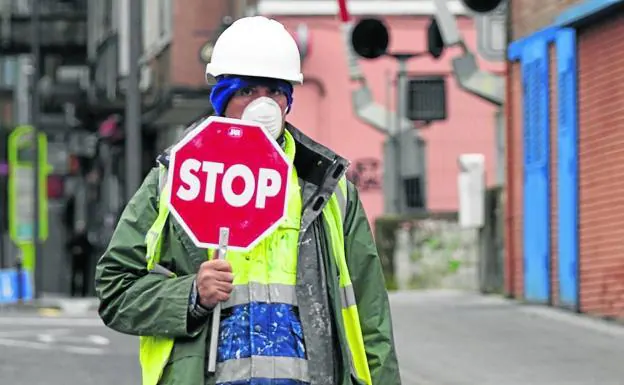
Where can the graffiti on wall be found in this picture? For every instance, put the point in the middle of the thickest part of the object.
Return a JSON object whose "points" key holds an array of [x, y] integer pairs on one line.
{"points": [[366, 174]]}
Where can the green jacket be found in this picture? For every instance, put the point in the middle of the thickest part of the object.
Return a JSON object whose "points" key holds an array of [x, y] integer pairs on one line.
{"points": [[135, 302]]}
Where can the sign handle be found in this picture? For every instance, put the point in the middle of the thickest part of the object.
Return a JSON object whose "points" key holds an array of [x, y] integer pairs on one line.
{"points": [[224, 235]]}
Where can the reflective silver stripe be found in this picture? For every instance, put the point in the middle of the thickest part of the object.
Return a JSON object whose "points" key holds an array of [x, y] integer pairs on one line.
{"points": [[159, 269], [347, 296], [258, 292], [342, 203], [262, 367]]}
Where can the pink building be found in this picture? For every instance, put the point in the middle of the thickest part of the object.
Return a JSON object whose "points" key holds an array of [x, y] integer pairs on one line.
{"points": [[323, 103]]}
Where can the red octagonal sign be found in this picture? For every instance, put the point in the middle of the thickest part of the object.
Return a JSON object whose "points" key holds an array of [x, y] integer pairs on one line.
{"points": [[228, 173]]}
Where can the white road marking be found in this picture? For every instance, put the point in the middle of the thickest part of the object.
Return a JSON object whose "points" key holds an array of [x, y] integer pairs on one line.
{"points": [[99, 340], [83, 350], [58, 339], [36, 321], [44, 346], [11, 334], [62, 336]]}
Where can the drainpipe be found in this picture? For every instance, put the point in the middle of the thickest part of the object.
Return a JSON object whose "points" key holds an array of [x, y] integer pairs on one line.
{"points": [[510, 254]]}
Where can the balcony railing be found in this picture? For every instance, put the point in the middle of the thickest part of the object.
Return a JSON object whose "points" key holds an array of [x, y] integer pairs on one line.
{"points": [[63, 26], [48, 8]]}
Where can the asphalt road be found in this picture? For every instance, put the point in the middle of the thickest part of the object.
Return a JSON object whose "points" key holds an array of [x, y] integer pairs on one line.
{"points": [[443, 338], [58, 350]]}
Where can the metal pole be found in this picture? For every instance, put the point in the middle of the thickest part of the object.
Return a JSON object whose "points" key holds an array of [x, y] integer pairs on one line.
{"points": [[134, 151], [35, 111], [224, 238], [401, 112], [389, 185]]}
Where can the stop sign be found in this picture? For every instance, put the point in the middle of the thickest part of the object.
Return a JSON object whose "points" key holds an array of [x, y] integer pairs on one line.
{"points": [[228, 173]]}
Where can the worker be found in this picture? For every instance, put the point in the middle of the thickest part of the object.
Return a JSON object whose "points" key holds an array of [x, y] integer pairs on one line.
{"points": [[307, 305]]}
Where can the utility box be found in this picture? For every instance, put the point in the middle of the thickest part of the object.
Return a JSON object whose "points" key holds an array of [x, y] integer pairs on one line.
{"points": [[471, 184]]}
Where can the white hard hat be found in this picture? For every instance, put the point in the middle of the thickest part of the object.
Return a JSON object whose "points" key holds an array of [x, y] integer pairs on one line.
{"points": [[256, 46]]}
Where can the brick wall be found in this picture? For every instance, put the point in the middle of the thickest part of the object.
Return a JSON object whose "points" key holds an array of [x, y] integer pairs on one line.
{"points": [[601, 166], [601, 159], [528, 16], [193, 23], [514, 250], [515, 257]]}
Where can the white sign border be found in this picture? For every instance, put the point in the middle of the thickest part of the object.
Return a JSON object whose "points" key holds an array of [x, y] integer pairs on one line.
{"points": [[187, 138]]}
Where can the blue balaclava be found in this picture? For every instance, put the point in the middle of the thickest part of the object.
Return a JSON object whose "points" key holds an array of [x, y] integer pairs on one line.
{"points": [[227, 86]]}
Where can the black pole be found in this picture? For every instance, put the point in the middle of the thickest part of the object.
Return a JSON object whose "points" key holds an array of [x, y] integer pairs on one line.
{"points": [[35, 110], [133, 150]]}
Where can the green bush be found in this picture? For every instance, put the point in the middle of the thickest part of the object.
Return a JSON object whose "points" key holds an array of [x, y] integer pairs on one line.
{"points": [[385, 228]]}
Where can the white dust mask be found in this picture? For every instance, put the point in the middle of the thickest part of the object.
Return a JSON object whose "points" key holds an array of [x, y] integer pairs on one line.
{"points": [[267, 112]]}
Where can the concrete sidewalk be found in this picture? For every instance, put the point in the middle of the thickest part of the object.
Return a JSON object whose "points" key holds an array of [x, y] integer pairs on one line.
{"points": [[458, 338]]}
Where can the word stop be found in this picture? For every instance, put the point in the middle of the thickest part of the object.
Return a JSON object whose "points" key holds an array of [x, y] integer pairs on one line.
{"points": [[268, 185]]}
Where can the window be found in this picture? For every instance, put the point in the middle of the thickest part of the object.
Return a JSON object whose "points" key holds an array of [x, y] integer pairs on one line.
{"points": [[157, 22], [414, 194]]}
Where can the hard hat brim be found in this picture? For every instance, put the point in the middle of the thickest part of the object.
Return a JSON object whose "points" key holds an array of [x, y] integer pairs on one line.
{"points": [[213, 71]]}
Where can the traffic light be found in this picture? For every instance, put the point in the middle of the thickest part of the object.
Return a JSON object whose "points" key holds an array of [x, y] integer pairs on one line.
{"points": [[370, 38], [482, 6], [435, 44]]}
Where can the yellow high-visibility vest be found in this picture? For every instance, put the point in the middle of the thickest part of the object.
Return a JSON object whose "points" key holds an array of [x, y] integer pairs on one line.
{"points": [[155, 351]]}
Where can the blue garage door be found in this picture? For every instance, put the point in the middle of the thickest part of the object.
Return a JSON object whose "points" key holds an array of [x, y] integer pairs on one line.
{"points": [[535, 77], [567, 172]]}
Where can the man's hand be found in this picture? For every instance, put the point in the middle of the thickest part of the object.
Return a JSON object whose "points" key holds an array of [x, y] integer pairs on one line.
{"points": [[214, 282]]}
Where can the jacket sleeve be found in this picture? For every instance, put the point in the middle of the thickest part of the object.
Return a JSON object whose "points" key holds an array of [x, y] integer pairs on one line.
{"points": [[132, 300], [370, 293]]}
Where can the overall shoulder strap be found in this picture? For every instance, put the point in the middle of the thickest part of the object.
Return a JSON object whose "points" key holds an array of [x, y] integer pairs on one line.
{"points": [[153, 238]]}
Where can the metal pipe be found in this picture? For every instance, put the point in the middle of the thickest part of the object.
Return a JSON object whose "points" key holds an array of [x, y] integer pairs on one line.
{"points": [[35, 120], [509, 183], [224, 237], [133, 150], [401, 110]]}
